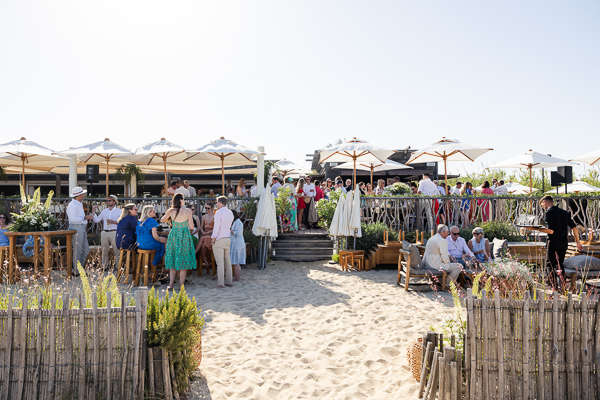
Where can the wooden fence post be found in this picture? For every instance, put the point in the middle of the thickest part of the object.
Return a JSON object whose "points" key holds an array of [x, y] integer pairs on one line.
{"points": [[144, 314], [425, 367]]}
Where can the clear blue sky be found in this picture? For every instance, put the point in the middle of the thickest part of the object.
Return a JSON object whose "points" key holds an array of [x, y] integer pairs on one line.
{"points": [[294, 76]]}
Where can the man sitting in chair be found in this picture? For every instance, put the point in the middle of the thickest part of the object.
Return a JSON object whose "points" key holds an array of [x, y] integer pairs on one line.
{"points": [[436, 254], [457, 247]]}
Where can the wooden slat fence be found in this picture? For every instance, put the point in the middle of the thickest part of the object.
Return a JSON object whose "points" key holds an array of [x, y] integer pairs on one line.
{"points": [[79, 353], [533, 349]]}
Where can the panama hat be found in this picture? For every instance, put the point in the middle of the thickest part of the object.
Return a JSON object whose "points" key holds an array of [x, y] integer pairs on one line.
{"points": [[77, 191]]}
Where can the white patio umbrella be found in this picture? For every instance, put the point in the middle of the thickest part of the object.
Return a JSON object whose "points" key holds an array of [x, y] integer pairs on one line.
{"points": [[287, 167], [348, 212], [377, 166], [23, 152], [447, 150], [103, 151], [530, 160], [357, 151], [223, 149], [159, 153], [265, 223], [335, 228], [576, 187], [517, 188], [354, 225], [592, 158]]}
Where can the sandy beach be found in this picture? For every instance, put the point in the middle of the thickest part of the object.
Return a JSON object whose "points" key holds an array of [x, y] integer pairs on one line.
{"points": [[310, 331]]}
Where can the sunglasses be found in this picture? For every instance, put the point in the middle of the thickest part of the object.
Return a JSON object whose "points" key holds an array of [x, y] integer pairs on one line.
{"points": [[455, 234], [207, 208], [2, 217]]}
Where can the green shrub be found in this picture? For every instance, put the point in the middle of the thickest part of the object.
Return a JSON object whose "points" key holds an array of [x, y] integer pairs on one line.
{"points": [[373, 234], [336, 258], [326, 209], [174, 323]]}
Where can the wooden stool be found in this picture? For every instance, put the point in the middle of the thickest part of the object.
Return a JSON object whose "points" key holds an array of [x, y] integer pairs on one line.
{"points": [[211, 260], [127, 258], [359, 261], [145, 258], [3, 258], [352, 257]]}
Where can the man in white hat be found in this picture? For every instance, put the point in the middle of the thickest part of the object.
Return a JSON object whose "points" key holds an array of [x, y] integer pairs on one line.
{"points": [[78, 222], [109, 217]]}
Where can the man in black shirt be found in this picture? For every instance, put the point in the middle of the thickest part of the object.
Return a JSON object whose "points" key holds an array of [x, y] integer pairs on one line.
{"points": [[557, 221]]}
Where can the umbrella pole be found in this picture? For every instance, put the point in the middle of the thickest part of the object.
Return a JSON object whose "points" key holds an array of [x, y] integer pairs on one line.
{"points": [[23, 173], [354, 158], [530, 180], [107, 177], [223, 176], [372, 168], [165, 166], [445, 175]]}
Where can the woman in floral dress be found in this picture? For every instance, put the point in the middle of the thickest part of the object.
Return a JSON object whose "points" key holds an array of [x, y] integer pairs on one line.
{"points": [[181, 254]]}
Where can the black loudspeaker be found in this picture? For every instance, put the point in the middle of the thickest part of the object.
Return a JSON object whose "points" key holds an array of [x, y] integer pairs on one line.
{"points": [[92, 173], [565, 173], [554, 179]]}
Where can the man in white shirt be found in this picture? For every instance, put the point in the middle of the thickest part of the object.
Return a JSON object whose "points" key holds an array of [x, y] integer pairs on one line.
{"points": [[457, 247], [181, 189], [436, 254], [110, 218], [455, 191], [254, 191], [78, 222], [275, 186], [501, 188], [190, 189], [309, 187], [428, 188]]}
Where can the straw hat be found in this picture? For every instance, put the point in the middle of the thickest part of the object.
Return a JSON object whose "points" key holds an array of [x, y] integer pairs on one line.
{"points": [[77, 191]]}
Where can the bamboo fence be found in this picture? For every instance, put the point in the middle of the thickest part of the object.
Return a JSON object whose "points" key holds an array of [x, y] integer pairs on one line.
{"points": [[547, 349], [79, 353]]}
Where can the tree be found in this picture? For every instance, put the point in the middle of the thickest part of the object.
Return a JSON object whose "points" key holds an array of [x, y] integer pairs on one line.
{"points": [[126, 172]]}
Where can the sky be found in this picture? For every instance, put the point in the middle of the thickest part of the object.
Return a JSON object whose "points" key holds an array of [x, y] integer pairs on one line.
{"points": [[296, 76]]}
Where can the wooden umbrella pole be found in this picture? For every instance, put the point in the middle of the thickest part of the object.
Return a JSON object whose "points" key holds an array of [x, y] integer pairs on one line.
{"points": [[223, 176], [530, 180], [166, 179], [107, 177], [354, 158], [445, 175], [372, 168], [23, 172]]}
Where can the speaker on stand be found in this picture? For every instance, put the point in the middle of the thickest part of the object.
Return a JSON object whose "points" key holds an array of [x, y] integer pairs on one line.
{"points": [[92, 175]]}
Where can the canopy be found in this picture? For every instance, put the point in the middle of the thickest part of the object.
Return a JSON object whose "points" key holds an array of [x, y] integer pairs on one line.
{"points": [[377, 166], [355, 150], [530, 160], [592, 158], [103, 151], [159, 153], [447, 150], [223, 149], [287, 167], [517, 188], [22, 152], [576, 187]]}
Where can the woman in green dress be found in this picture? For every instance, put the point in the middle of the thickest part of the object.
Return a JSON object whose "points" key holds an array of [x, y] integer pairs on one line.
{"points": [[180, 255]]}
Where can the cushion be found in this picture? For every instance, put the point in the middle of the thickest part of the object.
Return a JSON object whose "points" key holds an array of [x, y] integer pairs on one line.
{"points": [[415, 256], [582, 262], [500, 248], [582, 273]]}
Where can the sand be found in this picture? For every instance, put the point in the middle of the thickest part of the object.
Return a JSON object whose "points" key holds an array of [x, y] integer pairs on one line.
{"points": [[310, 331]]}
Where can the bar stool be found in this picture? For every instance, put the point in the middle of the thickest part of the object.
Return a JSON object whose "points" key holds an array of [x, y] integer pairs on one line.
{"points": [[145, 258], [127, 259], [211, 260], [352, 257]]}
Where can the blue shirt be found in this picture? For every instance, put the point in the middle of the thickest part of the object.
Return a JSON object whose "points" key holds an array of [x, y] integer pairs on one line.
{"points": [[3, 238], [126, 236], [144, 232]]}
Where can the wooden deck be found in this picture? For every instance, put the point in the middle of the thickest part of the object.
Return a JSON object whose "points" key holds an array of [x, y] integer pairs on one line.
{"points": [[318, 231]]}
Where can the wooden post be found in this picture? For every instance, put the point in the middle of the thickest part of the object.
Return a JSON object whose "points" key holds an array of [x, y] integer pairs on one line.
{"points": [[22, 349], [540, 348], [433, 375], [67, 326], [38, 347], [456, 390], [425, 367], [96, 344], [137, 341], [586, 391], [9, 345], [69, 255], [52, 338], [82, 347], [143, 314], [166, 375], [499, 343], [485, 346], [151, 371], [527, 390], [569, 346], [109, 346], [597, 360], [472, 344], [449, 355], [556, 395]]}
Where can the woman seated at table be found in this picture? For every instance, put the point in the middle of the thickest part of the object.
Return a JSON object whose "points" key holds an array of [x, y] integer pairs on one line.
{"points": [[206, 228], [4, 222], [126, 227], [479, 245], [147, 235]]}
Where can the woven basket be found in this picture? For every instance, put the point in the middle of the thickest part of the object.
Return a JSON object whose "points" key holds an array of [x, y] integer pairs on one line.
{"points": [[414, 353]]}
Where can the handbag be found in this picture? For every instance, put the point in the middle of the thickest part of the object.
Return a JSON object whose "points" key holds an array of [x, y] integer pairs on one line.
{"points": [[307, 199]]}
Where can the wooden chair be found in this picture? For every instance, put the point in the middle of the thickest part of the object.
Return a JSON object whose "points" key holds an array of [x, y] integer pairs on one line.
{"points": [[127, 259], [404, 271], [211, 260], [144, 257]]}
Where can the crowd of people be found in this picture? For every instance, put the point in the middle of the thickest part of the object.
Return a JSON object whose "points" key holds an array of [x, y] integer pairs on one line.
{"points": [[219, 231]]}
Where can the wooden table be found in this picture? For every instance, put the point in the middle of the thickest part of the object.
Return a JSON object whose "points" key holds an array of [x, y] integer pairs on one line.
{"points": [[47, 235], [534, 252]]}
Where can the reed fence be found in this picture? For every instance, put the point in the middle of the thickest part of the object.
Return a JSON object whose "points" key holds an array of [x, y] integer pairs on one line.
{"points": [[66, 353], [518, 349]]}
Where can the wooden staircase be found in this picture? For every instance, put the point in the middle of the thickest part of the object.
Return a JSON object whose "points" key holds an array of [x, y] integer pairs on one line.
{"points": [[305, 246]]}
